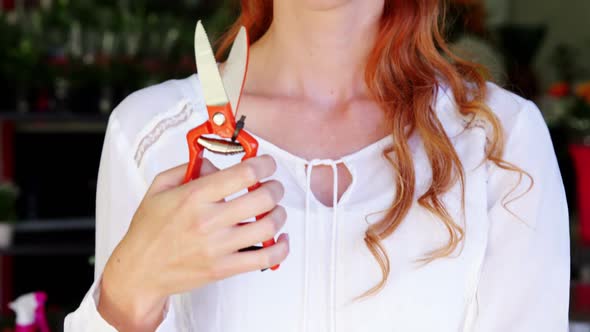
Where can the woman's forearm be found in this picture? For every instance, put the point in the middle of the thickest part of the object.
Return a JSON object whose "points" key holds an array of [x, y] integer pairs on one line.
{"points": [[125, 301]]}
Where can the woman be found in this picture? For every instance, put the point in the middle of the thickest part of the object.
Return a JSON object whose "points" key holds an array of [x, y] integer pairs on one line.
{"points": [[416, 196]]}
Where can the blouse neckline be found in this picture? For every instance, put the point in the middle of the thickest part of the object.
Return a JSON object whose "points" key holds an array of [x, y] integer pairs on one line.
{"points": [[365, 153], [362, 153]]}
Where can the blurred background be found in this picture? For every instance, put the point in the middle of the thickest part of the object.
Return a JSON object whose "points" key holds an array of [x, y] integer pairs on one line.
{"points": [[66, 64]]}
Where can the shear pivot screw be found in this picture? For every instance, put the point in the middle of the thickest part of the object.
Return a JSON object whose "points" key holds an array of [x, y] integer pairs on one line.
{"points": [[219, 119]]}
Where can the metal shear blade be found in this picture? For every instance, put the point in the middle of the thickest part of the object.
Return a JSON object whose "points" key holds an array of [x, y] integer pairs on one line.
{"points": [[220, 146], [234, 70], [218, 90], [211, 81]]}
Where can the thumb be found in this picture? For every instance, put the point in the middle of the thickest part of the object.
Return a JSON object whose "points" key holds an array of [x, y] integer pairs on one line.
{"points": [[174, 177]]}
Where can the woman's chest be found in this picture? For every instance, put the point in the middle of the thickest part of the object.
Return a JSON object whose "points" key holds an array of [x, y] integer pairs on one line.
{"points": [[312, 285], [330, 264]]}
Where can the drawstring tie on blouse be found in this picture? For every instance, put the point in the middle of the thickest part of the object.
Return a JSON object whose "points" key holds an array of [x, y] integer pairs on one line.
{"points": [[308, 193]]}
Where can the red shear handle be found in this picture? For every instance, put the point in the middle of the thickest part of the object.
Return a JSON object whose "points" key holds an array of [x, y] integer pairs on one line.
{"points": [[196, 160], [195, 149], [251, 149], [266, 243]]}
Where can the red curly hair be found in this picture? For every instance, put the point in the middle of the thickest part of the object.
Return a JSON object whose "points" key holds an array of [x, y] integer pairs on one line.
{"points": [[403, 74]]}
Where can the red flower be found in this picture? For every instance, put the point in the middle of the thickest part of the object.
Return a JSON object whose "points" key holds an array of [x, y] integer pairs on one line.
{"points": [[583, 91], [559, 90]]}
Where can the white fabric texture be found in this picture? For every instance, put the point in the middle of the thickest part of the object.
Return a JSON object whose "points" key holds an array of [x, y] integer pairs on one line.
{"points": [[510, 273]]}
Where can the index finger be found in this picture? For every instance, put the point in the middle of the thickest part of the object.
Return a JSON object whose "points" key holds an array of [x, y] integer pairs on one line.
{"points": [[220, 184], [174, 176]]}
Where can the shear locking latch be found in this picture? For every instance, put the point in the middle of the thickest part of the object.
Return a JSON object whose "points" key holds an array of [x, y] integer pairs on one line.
{"points": [[239, 126]]}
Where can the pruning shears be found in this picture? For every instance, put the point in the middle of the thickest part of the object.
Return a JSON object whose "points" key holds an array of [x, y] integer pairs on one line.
{"points": [[222, 93]]}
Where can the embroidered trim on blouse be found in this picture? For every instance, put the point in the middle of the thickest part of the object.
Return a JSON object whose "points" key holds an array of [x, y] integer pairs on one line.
{"points": [[156, 132], [478, 123]]}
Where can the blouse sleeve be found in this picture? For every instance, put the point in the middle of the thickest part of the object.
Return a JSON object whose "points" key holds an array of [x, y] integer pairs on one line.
{"points": [[120, 189], [525, 276]]}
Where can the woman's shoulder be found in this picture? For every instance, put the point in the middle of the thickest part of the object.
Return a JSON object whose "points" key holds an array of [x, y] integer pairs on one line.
{"points": [[524, 128], [508, 107], [174, 100]]}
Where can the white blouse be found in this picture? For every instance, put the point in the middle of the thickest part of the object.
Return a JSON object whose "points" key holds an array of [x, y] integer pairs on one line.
{"points": [[511, 273]]}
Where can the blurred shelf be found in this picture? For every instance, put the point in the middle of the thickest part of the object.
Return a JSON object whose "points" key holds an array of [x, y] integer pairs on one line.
{"points": [[56, 122], [581, 317], [580, 255], [55, 225], [52, 248], [48, 250], [52, 116]]}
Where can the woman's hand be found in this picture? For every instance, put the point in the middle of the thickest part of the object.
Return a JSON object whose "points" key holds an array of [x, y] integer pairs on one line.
{"points": [[184, 236]]}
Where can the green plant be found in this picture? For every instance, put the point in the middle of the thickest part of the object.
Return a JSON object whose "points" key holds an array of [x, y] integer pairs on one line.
{"points": [[567, 104], [8, 195]]}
